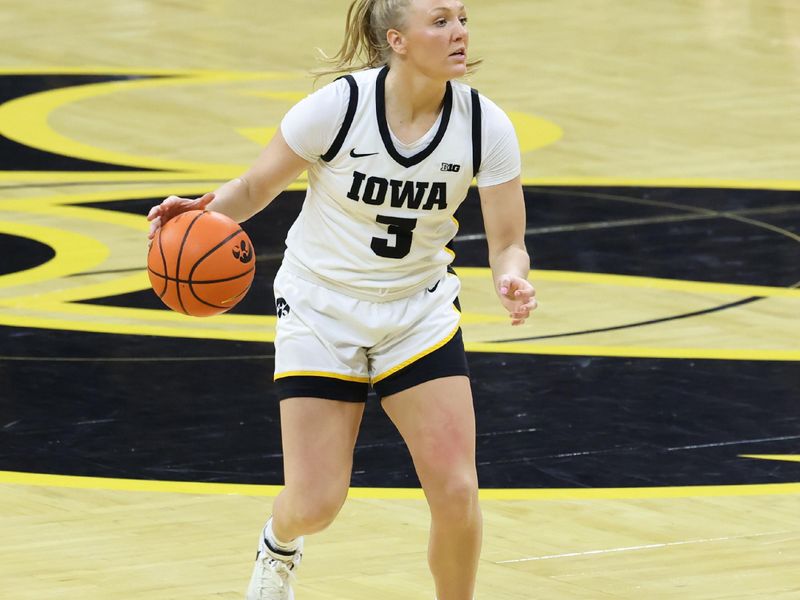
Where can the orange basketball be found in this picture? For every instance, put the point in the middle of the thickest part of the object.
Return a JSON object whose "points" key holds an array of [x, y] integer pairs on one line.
{"points": [[201, 263]]}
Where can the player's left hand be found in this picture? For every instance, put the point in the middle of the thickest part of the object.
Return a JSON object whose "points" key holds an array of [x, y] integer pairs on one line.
{"points": [[517, 296]]}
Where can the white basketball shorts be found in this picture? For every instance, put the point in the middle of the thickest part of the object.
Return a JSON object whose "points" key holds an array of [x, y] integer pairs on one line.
{"points": [[331, 345]]}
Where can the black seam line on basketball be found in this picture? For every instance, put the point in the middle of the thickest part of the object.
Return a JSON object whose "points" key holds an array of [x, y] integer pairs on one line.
{"points": [[639, 324], [178, 262], [201, 281], [202, 258], [164, 263], [214, 249], [205, 256]]}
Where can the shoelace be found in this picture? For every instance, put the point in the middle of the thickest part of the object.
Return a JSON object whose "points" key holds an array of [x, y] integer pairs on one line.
{"points": [[280, 573]]}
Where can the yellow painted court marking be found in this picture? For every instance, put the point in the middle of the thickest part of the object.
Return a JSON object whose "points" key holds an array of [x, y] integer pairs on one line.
{"points": [[138, 321], [52, 309], [259, 135], [182, 487], [74, 252], [782, 457], [253, 328], [534, 132], [635, 281], [291, 97], [26, 120]]}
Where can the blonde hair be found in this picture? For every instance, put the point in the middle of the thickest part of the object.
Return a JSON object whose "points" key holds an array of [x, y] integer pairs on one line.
{"points": [[365, 45]]}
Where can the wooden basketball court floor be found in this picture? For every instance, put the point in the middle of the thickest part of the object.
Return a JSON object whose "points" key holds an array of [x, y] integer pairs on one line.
{"points": [[639, 438]]}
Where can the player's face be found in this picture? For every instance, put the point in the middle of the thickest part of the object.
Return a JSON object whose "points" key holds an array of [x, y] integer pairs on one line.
{"points": [[436, 37]]}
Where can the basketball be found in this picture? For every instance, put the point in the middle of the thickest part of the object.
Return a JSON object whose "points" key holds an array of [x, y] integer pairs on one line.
{"points": [[201, 263]]}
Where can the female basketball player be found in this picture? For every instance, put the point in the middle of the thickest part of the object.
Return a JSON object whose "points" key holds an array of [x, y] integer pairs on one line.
{"points": [[364, 294]]}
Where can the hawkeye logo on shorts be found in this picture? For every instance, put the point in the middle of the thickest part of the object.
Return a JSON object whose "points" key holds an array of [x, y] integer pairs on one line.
{"points": [[411, 194], [281, 307]]}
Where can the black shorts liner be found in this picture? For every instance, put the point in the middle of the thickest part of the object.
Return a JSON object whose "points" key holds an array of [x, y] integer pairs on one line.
{"points": [[447, 361]]}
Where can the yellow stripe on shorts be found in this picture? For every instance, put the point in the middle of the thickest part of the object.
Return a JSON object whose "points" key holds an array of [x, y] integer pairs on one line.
{"points": [[417, 356], [321, 374]]}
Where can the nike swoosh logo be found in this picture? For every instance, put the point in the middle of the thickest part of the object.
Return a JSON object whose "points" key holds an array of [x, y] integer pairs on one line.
{"points": [[355, 154], [433, 289]]}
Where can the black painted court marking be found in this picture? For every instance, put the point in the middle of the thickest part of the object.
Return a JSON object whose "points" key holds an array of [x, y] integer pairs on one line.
{"points": [[597, 225], [734, 214], [132, 359], [696, 313], [706, 311]]}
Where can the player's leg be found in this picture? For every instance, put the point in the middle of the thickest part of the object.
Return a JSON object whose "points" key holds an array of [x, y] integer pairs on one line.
{"points": [[436, 419], [318, 438], [321, 380]]}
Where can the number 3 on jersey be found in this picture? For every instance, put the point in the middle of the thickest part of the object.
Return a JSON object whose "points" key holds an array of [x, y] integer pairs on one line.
{"points": [[401, 229]]}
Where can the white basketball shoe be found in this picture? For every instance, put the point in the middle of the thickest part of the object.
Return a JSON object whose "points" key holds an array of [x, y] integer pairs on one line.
{"points": [[274, 572]]}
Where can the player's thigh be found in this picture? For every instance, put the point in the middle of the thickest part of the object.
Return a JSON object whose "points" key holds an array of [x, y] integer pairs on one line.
{"points": [[318, 437], [437, 421]]}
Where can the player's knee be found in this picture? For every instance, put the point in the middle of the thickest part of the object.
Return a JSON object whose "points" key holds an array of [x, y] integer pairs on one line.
{"points": [[454, 497], [317, 511]]}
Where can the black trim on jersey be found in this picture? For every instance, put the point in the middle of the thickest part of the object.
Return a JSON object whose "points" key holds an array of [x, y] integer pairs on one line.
{"points": [[383, 126], [312, 386], [476, 132], [447, 361], [352, 103]]}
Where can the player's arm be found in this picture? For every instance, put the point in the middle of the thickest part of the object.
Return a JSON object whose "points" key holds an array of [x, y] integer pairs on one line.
{"points": [[276, 167], [503, 208]]}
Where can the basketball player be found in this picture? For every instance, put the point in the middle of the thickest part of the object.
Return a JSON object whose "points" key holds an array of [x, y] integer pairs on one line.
{"points": [[364, 295]]}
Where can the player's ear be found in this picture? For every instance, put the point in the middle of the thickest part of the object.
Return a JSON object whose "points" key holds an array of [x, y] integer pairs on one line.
{"points": [[396, 41]]}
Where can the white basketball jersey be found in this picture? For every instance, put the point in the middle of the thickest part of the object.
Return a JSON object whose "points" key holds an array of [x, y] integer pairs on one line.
{"points": [[376, 224]]}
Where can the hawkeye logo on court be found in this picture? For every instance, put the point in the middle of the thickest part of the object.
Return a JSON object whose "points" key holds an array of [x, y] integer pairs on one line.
{"points": [[410, 194]]}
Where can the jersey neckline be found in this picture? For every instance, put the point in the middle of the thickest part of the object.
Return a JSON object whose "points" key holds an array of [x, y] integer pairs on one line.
{"points": [[383, 125]]}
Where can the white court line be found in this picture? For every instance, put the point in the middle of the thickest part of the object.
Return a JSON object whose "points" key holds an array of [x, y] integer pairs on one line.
{"points": [[645, 547]]}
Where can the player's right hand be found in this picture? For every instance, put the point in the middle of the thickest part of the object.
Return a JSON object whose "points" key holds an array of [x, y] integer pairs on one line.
{"points": [[172, 207]]}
